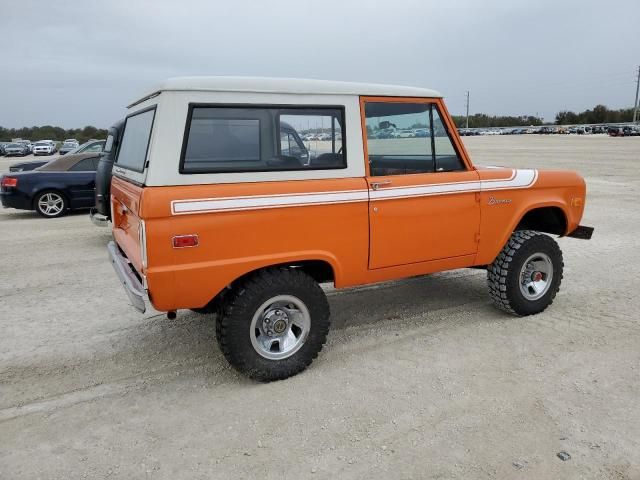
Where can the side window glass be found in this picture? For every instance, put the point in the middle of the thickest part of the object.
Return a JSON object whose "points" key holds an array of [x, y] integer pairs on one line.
{"points": [[108, 144], [291, 146], [261, 139], [446, 157], [85, 165], [399, 138], [315, 136]]}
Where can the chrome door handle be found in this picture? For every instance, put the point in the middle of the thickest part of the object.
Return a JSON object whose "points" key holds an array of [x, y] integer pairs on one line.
{"points": [[377, 185]]}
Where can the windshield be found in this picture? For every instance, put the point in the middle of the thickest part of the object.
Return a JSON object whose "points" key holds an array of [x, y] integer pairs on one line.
{"points": [[135, 141], [90, 146], [42, 144]]}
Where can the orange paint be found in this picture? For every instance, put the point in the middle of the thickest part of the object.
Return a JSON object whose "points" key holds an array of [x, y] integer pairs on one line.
{"points": [[241, 227]]}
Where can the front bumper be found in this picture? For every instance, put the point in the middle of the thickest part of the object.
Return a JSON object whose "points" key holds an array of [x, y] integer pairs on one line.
{"points": [[132, 285]]}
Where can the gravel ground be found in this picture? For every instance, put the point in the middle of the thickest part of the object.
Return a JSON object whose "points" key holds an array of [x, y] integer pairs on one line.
{"points": [[420, 379]]}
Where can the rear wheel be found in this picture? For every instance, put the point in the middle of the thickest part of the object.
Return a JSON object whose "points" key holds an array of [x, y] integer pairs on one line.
{"points": [[526, 275], [273, 324], [51, 204]]}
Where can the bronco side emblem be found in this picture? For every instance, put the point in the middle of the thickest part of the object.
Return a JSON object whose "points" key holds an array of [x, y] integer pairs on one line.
{"points": [[497, 201]]}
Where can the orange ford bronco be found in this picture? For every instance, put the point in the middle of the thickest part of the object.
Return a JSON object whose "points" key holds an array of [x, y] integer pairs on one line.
{"points": [[240, 196]]}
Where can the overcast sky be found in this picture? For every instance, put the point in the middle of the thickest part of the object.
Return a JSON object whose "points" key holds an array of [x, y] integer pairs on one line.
{"points": [[77, 63]]}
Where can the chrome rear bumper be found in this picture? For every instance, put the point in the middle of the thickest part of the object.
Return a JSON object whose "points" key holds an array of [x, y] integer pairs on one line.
{"points": [[98, 219], [132, 285]]}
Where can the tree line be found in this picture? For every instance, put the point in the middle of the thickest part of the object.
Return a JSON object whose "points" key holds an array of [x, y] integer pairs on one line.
{"points": [[599, 114], [482, 120], [49, 132]]}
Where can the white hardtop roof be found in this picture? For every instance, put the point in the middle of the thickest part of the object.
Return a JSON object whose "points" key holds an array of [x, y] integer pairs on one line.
{"points": [[285, 85]]}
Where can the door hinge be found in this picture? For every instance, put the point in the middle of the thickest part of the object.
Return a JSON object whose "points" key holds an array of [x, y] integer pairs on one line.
{"points": [[477, 197], [477, 237]]}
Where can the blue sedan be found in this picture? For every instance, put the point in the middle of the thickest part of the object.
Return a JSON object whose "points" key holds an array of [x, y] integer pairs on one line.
{"points": [[67, 183]]}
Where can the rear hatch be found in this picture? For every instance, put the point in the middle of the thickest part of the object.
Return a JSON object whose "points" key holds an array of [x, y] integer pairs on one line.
{"points": [[127, 186], [128, 228]]}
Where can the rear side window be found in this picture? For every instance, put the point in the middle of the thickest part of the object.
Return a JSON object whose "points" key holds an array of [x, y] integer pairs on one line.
{"points": [[257, 139], [135, 141], [85, 165]]}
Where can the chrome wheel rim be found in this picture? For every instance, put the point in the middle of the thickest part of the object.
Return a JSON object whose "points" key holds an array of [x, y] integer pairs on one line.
{"points": [[536, 276], [51, 204], [280, 327]]}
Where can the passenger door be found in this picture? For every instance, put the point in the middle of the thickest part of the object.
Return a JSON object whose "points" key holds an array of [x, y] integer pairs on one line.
{"points": [[424, 200]]}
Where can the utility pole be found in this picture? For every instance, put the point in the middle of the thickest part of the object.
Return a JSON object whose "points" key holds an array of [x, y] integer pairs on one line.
{"points": [[635, 105], [467, 124]]}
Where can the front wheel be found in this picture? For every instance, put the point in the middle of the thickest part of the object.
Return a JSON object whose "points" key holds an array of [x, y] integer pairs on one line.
{"points": [[526, 275], [273, 324]]}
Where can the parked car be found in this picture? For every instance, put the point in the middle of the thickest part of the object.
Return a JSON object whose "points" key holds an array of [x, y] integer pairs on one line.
{"points": [[194, 211], [26, 166], [66, 183], [68, 146], [615, 131], [101, 214], [44, 147], [27, 143], [16, 150], [404, 134]]}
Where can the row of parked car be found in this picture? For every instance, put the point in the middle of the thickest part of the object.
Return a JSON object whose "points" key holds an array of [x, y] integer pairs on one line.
{"points": [[613, 130], [21, 148]]}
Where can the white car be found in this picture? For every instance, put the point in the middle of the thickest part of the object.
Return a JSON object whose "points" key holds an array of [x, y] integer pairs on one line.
{"points": [[44, 147], [405, 134]]}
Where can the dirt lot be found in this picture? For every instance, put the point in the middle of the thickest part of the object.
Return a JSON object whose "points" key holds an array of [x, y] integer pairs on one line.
{"points": [[420, 378]]}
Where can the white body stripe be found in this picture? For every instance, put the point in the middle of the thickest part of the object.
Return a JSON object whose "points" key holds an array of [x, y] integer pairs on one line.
{"points": [[519, 179], [267, 201]]}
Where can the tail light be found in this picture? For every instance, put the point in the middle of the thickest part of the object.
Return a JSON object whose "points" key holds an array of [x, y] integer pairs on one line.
{"points": [[9, 182]]}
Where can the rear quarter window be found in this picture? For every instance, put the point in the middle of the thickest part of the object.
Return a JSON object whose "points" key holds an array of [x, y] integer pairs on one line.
{"points": [[135, 141]]}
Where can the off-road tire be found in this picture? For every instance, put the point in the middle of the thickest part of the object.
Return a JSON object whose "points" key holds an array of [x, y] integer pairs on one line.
{"points": [[503, 275], [241, 303]]}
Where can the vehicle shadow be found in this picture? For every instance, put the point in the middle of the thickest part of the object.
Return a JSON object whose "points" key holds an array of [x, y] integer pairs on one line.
{"points": [[156, 349], [14, 214]]}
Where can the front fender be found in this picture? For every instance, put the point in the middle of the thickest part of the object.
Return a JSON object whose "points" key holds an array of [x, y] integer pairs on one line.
{"points": [[499, 222]]}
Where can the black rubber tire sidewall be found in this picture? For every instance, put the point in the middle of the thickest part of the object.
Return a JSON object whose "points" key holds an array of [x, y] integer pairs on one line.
{"points": [[536, 244], [232, 329]]}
